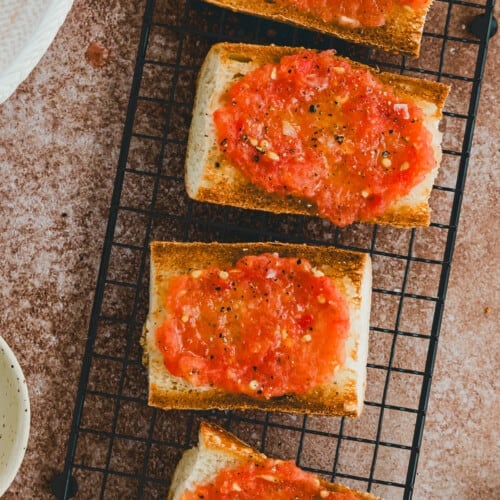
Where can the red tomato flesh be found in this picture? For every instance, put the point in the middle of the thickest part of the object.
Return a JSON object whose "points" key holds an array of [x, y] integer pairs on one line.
{"points": [[267, 327], [318, 128], [354, 13], [270, 480]]}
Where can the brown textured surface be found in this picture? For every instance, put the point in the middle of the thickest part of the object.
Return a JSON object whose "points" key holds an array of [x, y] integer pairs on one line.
{"points": [[59, 145]]}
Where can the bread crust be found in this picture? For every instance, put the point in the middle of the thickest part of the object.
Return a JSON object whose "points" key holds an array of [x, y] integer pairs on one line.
{"points": [[401, 34], [351, 273], [214, 440], [226, 185]]}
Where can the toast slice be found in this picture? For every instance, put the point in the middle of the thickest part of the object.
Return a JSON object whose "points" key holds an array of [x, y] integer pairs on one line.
{"points": [[342, 395], [226, 185], [217, 450], [400, 34]]}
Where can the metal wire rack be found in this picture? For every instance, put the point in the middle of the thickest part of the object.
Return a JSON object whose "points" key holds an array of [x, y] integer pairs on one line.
{"points": [[119, 447]]}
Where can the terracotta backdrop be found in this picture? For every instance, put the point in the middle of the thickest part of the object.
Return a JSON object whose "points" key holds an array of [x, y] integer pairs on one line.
{"points": [[59, 144]]}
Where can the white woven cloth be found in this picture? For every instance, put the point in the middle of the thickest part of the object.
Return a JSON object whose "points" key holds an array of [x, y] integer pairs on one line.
{"points": [[27, 28]]}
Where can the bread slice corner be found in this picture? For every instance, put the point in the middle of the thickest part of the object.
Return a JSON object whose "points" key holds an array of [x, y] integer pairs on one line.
{"points": [[218, 449]]}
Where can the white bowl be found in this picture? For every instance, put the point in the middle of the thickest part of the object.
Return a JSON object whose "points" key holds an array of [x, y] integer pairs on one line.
{"points": [[27, 29], [14, 416]]}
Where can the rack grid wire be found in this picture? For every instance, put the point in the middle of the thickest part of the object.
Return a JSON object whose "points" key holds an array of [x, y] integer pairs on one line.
{"points": [[119, 447]]}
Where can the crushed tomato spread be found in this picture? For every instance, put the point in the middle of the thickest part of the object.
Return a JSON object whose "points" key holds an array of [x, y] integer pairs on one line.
{"points": [[269, 480], [353, 13], [267, 327], [318, 128]]}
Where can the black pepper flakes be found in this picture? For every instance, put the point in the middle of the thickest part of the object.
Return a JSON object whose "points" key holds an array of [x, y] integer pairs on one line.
{"points": [[312, 108], [223, 143], [339, 138]]}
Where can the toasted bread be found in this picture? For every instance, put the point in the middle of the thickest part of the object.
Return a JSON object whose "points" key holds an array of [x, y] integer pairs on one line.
{"points": [[218, 449], [401, 33], [226, 185], [351, 274]]}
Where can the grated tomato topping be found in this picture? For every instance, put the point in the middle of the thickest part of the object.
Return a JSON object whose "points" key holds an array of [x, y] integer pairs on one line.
{"points": [[268, 480], [267, 327], [354, 13], [319, 128]]}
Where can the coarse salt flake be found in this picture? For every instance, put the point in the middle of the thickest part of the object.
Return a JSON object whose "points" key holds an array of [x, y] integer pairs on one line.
{"points": [[271, 274], [317, 273], [403, 107], [348, 21], [268, 477], [288, 129], [254, 385]]}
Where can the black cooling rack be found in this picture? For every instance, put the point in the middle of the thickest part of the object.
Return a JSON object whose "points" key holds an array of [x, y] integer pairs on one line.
{"points": [[118, 446]]}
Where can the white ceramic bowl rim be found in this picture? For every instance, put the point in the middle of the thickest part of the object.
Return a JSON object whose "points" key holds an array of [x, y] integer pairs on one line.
{"points": [[9, 470]]}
